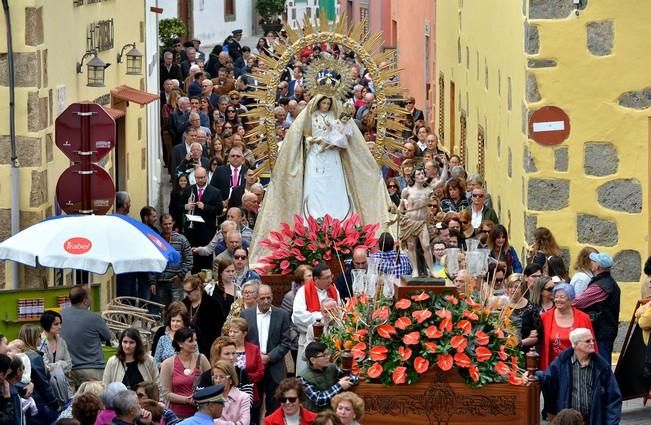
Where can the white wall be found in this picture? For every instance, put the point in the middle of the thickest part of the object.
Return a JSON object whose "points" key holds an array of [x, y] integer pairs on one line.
{"points": [[209, 24], [151, 65]]}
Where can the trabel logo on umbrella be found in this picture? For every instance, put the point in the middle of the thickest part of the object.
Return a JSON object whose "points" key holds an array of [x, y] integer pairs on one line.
{"points": [[77, 246]]}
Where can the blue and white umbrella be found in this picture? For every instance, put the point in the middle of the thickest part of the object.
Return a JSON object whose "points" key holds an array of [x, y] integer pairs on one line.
{"points": [[91, 243]]}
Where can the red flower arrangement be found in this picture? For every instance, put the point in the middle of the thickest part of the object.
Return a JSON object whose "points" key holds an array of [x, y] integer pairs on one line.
{"points": [[311, 241], [396, 345]]}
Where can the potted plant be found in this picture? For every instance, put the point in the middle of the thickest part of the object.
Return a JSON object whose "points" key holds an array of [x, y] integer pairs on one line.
{"points": [[170, 29], [270, 12]]}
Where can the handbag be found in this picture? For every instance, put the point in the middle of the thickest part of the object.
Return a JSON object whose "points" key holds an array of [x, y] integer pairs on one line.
{"points": [[646, 370]]}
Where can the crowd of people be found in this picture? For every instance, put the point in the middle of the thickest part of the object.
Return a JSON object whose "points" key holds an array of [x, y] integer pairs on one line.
{"points": [[223, 353]]}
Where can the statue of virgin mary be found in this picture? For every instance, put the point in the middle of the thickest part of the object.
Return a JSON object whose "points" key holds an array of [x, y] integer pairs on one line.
{"points": [[323, 167]]}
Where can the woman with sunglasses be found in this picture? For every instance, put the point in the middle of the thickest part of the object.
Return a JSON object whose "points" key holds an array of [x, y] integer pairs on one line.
{"points": [[500, 249], [541, 293], [291, 395], [231, 117], [205, 312], [394, 190], [237, 405]]}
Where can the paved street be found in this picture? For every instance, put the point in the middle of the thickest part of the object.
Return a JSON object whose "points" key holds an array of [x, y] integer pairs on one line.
{"points": [[635, 414]]}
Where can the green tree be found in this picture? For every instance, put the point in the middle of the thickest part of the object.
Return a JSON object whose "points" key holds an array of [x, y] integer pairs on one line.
{"points": [[169, 29], [270, 9]]}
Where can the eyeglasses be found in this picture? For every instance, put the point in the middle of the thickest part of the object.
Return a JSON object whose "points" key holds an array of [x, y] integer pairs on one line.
{"points": [[231, 112], [439, 250], [477, 195], [409, 102], [288, 399], [433, 206], [548, 288], [235, 98], [240, 257], [190, 291], [484, 231], [392, 186], [248, 293]]}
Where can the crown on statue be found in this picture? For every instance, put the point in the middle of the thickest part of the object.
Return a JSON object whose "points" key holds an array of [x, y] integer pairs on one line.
{"points": [[328, 77]]}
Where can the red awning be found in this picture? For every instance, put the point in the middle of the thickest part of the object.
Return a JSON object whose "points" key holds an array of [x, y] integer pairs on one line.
{"points": [[130, 94]]}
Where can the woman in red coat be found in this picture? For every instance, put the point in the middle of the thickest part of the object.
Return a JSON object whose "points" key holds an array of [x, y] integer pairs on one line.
{"points": [[249, 359], [291, 395], [558, 322]]}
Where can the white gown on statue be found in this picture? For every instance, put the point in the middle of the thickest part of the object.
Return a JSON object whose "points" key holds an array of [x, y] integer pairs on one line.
{"points": [[324, 186]]}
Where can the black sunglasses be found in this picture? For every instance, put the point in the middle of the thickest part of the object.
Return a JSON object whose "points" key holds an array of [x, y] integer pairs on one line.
{"points": [[288, 399]]}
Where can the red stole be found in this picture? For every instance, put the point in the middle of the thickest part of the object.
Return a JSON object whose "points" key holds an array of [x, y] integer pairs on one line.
{"points": [[312, 296]]}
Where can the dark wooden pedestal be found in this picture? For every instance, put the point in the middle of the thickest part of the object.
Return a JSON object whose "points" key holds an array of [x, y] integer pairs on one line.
{"points": [[444, 399]]}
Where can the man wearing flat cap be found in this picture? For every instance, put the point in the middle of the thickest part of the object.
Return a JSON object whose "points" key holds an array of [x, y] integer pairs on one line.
{"points": [[210, 402], [234, 47], [601, 301]]}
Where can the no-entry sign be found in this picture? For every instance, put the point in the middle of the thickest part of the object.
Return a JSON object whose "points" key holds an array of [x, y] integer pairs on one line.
{"points": [[549, 125]]}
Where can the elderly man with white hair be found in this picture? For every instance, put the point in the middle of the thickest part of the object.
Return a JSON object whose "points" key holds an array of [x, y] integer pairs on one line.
{"points": [[128, 411], [192, 161], [581, 379]]}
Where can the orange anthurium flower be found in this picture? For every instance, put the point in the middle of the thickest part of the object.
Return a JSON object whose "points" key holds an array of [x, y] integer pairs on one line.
{"points": [[386, 330], [470, 315], [399, 375], [381, 314], [465, 326], [502, 355], [433, 332], [403, 323], [499, 332], [421, 315], [404, 353], [360, 335], [430, 346], [403, 304], [374, 371], [462, 360], [444, 313], [379, 353], [421, 365], [445, 362], [515, 379], [359, 350], [423, 296], [446, 325], [472, 303], [481, 338], [451, 299], [474, 373], [411, 338], [514, 362], [502, 368], [459, 343], [483, 354]]}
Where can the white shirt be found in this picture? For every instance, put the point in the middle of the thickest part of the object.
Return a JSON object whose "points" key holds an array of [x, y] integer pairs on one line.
{"points": [[263, 322], [476, 217], [300, 316]]}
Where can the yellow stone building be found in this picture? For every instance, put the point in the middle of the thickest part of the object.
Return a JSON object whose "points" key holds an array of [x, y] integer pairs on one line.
{"points": [[500, 61], [49, 39]]}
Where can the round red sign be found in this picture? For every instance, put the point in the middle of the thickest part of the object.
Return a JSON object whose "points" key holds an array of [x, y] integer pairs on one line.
{"points": [[77, 246]]}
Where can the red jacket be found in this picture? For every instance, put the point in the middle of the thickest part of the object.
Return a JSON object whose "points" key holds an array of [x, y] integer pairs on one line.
{"points": [[581, 320], [278, 417], [254, 366]]}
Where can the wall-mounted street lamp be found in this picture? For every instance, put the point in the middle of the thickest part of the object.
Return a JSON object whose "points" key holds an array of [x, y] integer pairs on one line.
{"points": [[95, 68], [134, 59]]}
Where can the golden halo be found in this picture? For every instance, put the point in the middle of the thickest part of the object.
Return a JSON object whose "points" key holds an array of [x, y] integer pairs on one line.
{"points": [[389, 128]]}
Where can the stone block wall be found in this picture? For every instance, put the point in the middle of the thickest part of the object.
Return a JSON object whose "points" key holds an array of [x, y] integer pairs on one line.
{"points": [[590, 190]]}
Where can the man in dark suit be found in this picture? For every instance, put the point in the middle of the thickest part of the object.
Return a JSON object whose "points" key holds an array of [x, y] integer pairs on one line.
{"points": [[208, 204], [269, 329], [169, 70], [228, 177]]}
